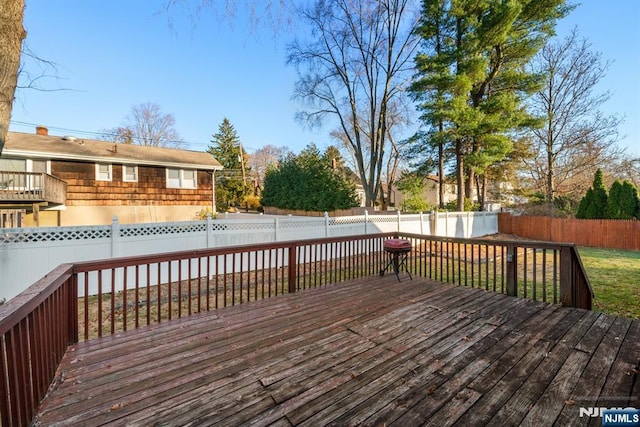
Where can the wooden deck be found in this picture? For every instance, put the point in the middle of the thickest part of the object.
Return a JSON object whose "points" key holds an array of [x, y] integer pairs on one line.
{"points": [[372, 352]]}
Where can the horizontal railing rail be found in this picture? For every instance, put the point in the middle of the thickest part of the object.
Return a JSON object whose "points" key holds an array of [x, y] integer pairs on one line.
{"points": [[124, 293], [90, 299], [542, 271]]}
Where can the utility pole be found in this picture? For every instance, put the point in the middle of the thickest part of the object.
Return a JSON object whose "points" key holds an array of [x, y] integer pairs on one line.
{"points": [[244, 178], [241, 158]]}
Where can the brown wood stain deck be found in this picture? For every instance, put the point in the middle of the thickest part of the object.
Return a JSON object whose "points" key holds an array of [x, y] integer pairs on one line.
{"points": [[371, 351]]}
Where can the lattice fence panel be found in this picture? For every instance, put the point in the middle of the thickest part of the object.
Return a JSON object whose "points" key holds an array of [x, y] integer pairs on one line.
{"points": [[162, 228], [54, 235]]}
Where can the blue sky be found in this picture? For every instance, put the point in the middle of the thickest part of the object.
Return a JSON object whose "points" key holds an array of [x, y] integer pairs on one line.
{"points": [[113, 55]]}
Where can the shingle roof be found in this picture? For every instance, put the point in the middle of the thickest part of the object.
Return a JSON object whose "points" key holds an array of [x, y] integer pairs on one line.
{"points": [[55, 147]]}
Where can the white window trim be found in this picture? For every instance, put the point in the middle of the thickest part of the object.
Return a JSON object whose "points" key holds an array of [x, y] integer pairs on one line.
{"points": [[98, 178], [124, 173], [182, 181]]}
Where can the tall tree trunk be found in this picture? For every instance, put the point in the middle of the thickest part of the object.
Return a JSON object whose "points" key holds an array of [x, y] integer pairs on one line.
{"points": [[550, 184], [470, 178], [460, 174], [481, 190], [441, 172], [460, 163], [550, 143], [11, 35]]}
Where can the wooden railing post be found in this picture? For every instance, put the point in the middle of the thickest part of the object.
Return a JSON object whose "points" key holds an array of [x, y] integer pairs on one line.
{"points": [[73, 309], [566, 279], [293, 265], [512, 270]]}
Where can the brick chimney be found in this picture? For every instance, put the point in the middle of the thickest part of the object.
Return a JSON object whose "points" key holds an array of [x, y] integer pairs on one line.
{"points": [[42, 130]]}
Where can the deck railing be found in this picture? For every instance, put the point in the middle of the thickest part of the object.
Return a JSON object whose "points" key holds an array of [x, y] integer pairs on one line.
{"points": [[542, 271], [85, 300], [30, 187], [36, 327]]}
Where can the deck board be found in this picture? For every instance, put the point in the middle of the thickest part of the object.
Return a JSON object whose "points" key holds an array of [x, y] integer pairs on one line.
{"points": [[373, 351]]}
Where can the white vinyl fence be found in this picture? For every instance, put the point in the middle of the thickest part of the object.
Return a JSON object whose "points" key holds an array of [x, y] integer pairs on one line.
{"points": [[27, 254]]}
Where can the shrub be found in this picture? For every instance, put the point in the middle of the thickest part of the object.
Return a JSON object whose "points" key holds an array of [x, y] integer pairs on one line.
{"points": [[594, 203], [307, 182]]}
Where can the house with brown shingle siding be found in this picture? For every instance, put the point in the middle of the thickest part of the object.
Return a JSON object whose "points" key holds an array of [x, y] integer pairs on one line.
{"points": [[48, 180]]}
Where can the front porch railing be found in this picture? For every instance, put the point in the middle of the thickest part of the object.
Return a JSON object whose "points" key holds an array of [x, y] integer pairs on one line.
{"points": [[91, 299]]}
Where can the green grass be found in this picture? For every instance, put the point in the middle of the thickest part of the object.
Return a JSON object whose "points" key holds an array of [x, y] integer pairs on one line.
{"points": [[615, 279]]}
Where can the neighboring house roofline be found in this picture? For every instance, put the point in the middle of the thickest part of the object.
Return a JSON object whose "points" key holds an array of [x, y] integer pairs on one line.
{"points": [[118, 160], [53, 147]]}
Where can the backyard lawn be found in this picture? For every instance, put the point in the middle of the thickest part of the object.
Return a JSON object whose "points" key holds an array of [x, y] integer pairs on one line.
{"points": [[615, 279]]}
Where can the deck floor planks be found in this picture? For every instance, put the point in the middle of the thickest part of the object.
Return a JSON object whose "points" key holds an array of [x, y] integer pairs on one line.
{"points": [[620, 378], [461, 376], [495, 395], [445, 350], [595, 374], [367, 351], [454, 395], [311, 325], [522, 401], [411, 390], [314, 324]]}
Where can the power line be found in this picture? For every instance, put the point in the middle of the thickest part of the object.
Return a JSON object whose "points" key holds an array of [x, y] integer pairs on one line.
{"points": [[93, 134], [98, 135]]}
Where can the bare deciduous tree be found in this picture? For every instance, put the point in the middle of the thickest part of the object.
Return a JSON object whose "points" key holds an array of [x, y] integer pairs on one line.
{"points": [[576, 137], [146, 125], [629, 169], [262, 159], [355, 63], [12, 33], [398, 118]]}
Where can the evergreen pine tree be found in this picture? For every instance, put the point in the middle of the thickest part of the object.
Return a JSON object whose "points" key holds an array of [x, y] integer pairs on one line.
{"points": [[472, 78], [622, 201], [584, 203], [308, 182], [614, 201], [630, 201], [599, 205], [594, 204], [225, 148]]}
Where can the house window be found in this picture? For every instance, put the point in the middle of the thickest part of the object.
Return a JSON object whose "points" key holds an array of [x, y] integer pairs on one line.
{"points": [[181, 178], [13, 165], [12, 173], [188, 179], [129, 173], [24, 165], [103, 172], [39, 166]]}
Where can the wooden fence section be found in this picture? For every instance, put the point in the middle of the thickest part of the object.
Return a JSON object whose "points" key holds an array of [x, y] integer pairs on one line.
{"points": [[600, 233]]}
